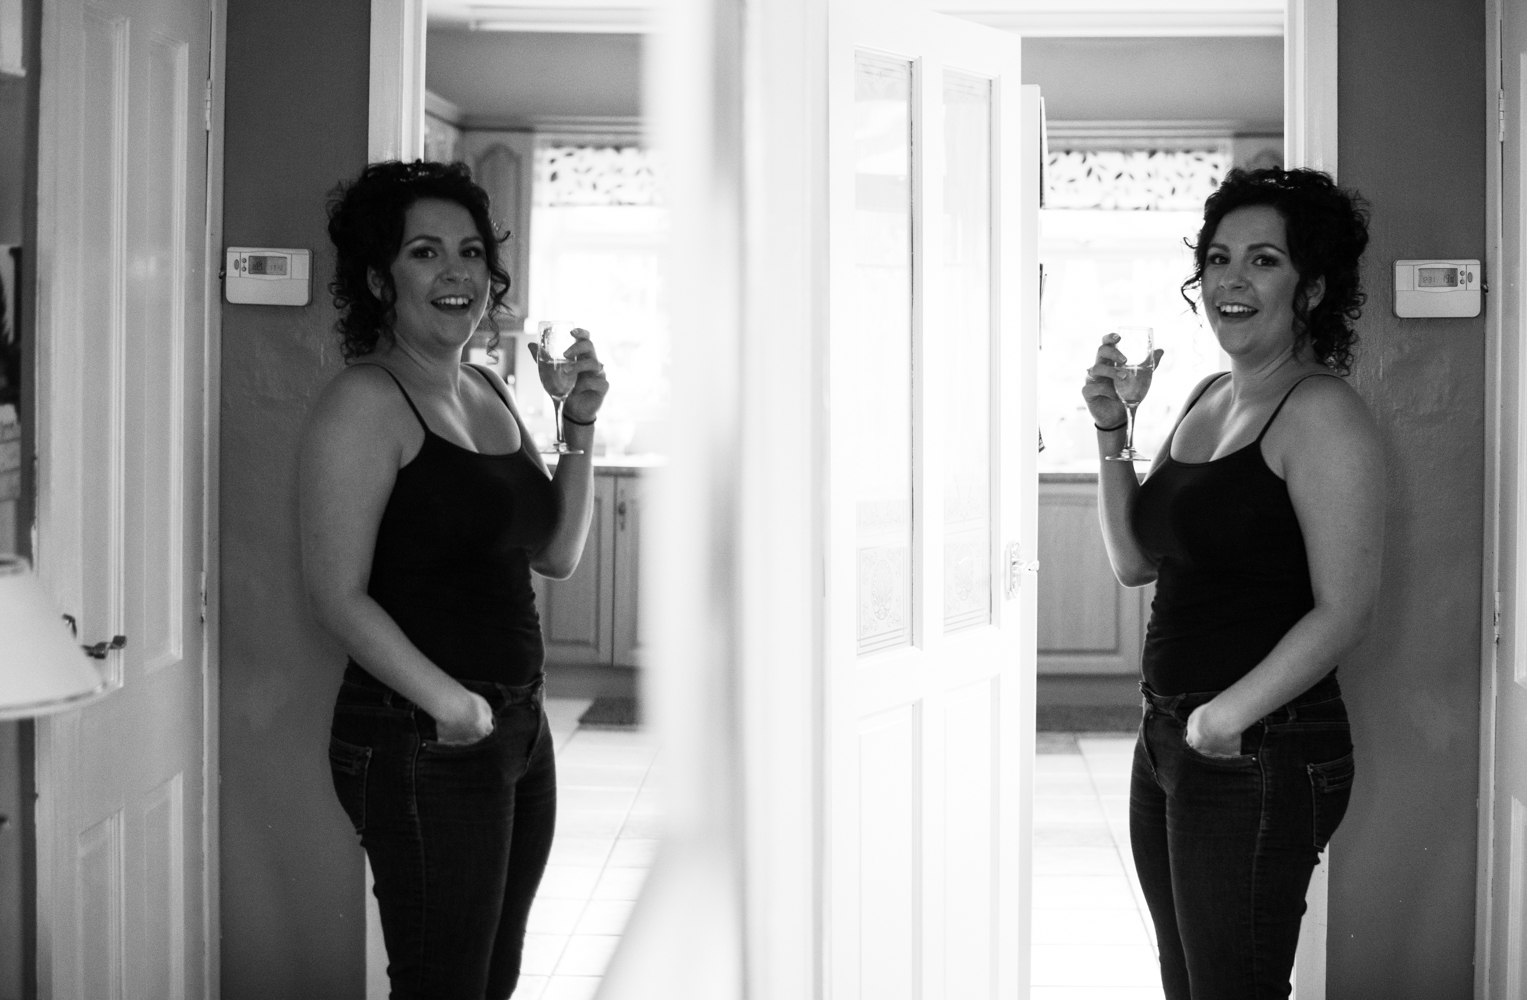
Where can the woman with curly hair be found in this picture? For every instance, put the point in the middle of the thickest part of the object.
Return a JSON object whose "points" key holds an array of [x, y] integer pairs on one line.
{"points": [[1261, 524], [424, 508]]}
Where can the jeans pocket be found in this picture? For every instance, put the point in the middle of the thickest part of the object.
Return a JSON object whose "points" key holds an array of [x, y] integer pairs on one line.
{"points": [[348, 765], [1331, 790], [435, 748]]}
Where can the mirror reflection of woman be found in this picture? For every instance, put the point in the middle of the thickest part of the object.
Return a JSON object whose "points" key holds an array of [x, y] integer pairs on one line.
{"points": [[424, 508], [1261, 524]]}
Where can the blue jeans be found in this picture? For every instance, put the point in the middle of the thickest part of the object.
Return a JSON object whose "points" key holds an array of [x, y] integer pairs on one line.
{"points": [[458, 836], [1224, 846]]}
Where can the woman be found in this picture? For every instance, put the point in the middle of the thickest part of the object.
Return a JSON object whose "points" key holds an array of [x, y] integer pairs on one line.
{"points": [[1261, 524], [424, 508]]}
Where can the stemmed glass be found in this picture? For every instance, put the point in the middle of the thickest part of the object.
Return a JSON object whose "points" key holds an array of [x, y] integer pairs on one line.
{"points": [[1138, 345], [557, 374]]}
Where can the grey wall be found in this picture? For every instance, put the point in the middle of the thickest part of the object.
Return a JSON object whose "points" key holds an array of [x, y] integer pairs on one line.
{"points": [[1169, 79], [504, 77], [293, 911], [1403, 864]]}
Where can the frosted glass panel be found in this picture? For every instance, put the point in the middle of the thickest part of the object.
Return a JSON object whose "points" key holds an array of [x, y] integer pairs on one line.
{"points": [[882, 332], [963, 327]]}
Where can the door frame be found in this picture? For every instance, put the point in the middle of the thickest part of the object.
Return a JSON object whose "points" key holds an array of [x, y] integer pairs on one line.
{"points": [[1497, 492], [738, 95], [70, 567]]}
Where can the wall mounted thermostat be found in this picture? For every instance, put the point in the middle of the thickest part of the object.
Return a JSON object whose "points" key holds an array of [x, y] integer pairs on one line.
{"points": [[1437, 288], [262, 277]]}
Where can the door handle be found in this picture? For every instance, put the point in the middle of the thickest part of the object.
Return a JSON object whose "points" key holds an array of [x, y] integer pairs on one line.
{"points": [[1016, 567], [100, 649], [620, 516]]}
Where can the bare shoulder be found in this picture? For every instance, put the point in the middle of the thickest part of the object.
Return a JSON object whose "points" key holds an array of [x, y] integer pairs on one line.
{"points": [[360, 407], [1325, 423]]}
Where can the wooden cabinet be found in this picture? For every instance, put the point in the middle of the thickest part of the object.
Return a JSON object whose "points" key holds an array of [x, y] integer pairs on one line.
{"points": [[592, 617], [1088, 623]]}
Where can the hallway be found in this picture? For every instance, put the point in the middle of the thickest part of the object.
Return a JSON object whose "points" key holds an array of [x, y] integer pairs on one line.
{"points": [[1092, 935]]}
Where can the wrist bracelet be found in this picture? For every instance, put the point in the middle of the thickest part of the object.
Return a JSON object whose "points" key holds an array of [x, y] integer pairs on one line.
{"points": [[581, 423], [1117, 427]]}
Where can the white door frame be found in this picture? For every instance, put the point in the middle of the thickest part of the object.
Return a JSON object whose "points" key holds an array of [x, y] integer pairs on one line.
{"points": [[740, 89], [1495, 421], [212, 382]]}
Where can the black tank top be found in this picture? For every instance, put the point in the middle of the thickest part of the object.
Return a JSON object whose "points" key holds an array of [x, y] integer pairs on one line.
{"points": [[452, 559], [1232, 573]]}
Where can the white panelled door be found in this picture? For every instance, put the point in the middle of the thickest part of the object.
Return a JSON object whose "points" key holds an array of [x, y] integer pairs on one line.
{"points": [[122, 309], [933, 202]]}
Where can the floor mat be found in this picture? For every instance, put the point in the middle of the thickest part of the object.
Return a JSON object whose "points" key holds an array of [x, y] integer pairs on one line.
{"points": [[611, 712], [1087, 718]]}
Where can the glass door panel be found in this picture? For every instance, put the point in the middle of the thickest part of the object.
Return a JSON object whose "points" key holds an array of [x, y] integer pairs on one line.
{"points": [[882, 332], [964, 326]]}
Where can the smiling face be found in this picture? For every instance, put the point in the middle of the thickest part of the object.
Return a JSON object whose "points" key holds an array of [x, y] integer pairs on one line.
{"points": [[1249, 283], [440, 276]]}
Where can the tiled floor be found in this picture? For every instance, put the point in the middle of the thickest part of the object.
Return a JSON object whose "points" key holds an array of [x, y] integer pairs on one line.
{"points": [[607, 826], [1092, 935]]}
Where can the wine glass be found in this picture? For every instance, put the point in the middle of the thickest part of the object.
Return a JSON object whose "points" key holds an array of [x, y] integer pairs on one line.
{"points": [[557, 374], [1138, 345]]}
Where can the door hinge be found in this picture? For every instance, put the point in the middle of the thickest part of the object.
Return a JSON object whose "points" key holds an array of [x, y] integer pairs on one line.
{"points": [[1496, 622], [1500, 106], [204, 597], [207, 106]]}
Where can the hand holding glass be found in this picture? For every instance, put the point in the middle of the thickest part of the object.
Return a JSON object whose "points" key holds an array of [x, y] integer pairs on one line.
{"points": [[1138, 345], [558, 376]]}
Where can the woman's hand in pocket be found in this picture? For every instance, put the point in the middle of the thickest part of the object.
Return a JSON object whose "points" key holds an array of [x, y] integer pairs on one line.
{"points": [[471, 723], [1203, 736]]}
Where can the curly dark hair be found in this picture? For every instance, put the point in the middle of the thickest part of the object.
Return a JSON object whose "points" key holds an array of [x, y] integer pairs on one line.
{"points": [[1327, 234], [366, 225]]}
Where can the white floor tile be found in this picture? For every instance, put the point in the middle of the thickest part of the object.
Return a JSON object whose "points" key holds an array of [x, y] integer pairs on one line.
{"points": [[541, 953], [634, 852], [530, 987], [1096, 993], [1052, 859], [1060, 763], [570, 988], [619, 737], [620, 883], [567, 849], [1050, 809], [605, 823], [587, 954], [581, 751], [1094, 965], [555, 916], [600, 775], [596, 799], [1090, 927], [1083, 892], [568, 882], [605, 916]]}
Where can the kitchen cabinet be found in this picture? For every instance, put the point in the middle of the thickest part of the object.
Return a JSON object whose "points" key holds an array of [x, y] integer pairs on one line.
{"points": [[593, 617], [1088, 622]]}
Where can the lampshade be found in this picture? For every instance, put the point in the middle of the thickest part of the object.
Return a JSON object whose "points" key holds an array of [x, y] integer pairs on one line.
{"points": [[42, 668]]}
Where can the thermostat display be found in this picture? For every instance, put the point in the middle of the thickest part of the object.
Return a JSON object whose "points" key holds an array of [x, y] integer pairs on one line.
{"points": [[268, 277], [1437, 288]]}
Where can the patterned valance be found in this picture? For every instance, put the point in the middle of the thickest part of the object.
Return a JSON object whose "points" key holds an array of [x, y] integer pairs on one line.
{"points": [[595, 175], [1138, 179]]}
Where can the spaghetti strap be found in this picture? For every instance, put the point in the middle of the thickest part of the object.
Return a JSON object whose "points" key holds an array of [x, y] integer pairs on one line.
{"points": [[1285, 400], [1201, 392], [406, 397], [496, 390]]}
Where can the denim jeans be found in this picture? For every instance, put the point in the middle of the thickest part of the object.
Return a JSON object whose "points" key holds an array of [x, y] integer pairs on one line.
{"points": [[1224, 846], [458, 836]]}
